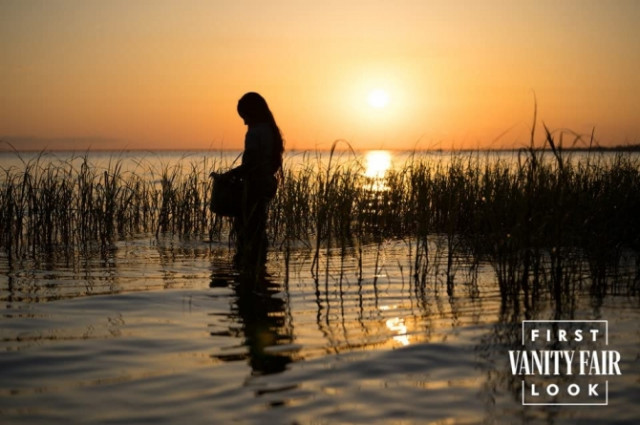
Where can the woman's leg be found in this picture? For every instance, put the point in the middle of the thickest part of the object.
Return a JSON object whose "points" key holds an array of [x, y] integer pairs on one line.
{"points": [[256, 242], [238, 232]]}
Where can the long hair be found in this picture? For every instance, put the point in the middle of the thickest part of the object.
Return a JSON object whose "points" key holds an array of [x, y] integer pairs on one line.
{"points": [[254, 109]]}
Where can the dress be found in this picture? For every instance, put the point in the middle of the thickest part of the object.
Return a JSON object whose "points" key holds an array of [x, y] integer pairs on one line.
{"points": [[260, 163]]}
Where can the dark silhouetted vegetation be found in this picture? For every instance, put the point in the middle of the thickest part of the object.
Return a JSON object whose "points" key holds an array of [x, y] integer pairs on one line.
{"points": [[534, 216]]}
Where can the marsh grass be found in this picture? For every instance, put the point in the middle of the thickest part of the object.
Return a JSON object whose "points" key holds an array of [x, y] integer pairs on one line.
{"points": [[545, 221], [69, 207]]}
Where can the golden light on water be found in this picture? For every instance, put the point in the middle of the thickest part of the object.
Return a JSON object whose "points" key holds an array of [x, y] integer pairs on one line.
{"points": [[377, 164], [396, 324]]}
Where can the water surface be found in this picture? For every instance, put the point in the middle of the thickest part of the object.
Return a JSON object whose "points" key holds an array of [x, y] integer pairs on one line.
{"points": [[159, 331]]}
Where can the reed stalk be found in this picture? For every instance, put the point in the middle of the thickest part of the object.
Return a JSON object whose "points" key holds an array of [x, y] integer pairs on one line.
{"points": [[536, 218]]}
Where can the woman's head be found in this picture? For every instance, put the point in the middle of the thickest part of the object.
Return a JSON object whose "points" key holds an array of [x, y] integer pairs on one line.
{"points": [[254, 110]]}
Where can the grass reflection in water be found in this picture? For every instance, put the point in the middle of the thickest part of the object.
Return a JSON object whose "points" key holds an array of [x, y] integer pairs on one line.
{"points": [[387, 289]]}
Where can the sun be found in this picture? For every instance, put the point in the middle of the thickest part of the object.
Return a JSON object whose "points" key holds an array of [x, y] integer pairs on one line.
{"points": [[378, 98]]}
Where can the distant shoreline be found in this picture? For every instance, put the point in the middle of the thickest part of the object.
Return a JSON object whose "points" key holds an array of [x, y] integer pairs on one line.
{"points": [[629, 148]]}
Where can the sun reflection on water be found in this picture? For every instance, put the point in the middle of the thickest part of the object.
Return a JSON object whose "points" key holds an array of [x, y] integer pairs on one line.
{"points": [[377, 164], [397, 326]]}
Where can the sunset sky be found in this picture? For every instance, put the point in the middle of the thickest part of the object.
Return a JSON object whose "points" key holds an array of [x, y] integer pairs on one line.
{"points": [[161, 74]]}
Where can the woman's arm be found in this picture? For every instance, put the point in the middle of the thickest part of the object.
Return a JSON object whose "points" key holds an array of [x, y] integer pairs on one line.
{"points": [[256, 154]]}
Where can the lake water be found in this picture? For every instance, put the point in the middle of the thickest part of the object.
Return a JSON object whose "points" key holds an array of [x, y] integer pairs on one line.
{"points": [[162, 330]]}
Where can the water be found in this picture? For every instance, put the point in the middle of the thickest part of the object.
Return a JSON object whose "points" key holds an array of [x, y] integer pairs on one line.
{"points": [[158, 330], [166, 337]]}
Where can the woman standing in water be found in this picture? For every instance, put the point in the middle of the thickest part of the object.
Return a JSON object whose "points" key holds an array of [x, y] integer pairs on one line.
{"points": [[261, 163]]}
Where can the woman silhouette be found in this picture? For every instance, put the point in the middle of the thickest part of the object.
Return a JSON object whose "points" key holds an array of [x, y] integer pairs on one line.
{"points": [[261, 164]]}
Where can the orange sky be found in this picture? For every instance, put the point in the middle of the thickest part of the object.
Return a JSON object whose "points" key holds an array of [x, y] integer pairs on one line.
{"points": [[167, 74]]}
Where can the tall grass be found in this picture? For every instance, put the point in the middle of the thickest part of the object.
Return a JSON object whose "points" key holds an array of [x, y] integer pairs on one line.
{"points": [[65, 207], [534, 217]]}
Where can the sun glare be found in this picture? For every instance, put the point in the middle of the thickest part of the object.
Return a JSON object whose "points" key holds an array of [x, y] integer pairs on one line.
{"points": [[378, 98], [377, 164]]}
